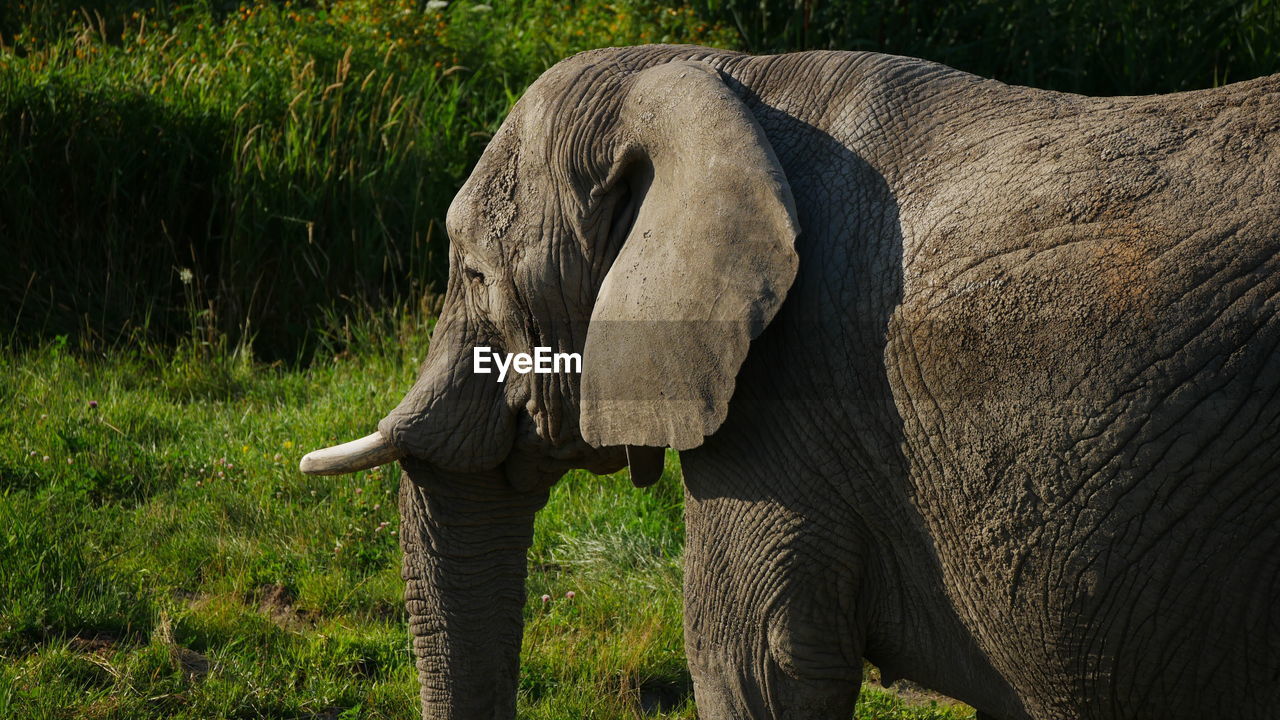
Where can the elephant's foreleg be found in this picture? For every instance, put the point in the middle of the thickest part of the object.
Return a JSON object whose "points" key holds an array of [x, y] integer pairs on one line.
{"points": [[771, 626]]}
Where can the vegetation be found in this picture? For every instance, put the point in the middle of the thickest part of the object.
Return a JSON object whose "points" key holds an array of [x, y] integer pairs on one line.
{"points": [[296, 157], [161, 557]]}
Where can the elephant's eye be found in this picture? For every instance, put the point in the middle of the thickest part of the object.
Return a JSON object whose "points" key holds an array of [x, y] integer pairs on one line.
{"points": [[474, 276]]}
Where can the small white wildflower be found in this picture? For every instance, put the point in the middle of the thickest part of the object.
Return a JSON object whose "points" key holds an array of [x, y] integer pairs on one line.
{"points": [[186, 276], [437, 4], [481, 8]]}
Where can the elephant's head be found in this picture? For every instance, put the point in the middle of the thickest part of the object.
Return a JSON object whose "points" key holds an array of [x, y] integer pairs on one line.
{"points": [[629, 209]]}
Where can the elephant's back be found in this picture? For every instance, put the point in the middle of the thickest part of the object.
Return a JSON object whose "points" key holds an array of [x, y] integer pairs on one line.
{"points": [[1097, 265], [1086, 355]]}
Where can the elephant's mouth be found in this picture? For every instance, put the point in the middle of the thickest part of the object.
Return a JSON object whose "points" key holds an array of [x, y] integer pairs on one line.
{"points": [[536, 464]]}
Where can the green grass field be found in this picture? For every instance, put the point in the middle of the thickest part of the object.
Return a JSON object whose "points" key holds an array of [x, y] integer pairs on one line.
{"points": [[162, 557]]}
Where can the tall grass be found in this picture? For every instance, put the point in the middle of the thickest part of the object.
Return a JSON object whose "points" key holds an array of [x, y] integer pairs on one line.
{"points": [[295, 159]]}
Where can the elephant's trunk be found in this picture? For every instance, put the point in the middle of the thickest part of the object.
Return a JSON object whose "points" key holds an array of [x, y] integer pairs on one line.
{"points": [[465, 539]]}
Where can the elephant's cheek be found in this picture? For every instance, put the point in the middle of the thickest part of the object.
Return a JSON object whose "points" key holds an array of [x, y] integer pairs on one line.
{"points": [[465, 540]]}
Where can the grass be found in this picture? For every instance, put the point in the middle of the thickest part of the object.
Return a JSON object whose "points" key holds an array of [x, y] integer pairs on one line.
{"points": [[161, 556]]}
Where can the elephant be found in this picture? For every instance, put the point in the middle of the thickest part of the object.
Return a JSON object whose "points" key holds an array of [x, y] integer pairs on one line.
{"points": [[976, 382]]}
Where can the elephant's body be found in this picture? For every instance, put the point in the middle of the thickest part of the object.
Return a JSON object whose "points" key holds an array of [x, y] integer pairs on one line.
{"points": [[1031, 357], [1014, 431]]}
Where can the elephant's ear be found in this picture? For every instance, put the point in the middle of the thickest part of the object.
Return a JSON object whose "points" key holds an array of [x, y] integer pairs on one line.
{"points": [[707, 262]]}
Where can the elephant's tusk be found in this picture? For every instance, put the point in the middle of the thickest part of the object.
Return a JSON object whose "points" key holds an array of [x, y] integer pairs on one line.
{"points": [[361, 454]]}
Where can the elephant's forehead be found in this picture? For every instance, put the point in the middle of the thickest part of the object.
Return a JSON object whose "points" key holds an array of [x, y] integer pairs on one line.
{"points": [[486, 207]]}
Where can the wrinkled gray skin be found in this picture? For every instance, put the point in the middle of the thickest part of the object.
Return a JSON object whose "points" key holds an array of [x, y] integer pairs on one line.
{"points": [[978, 382]]}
